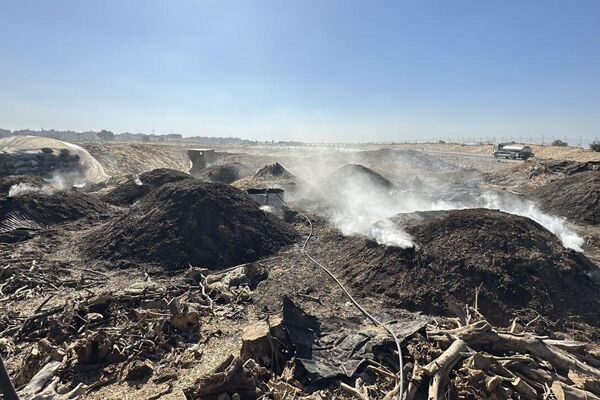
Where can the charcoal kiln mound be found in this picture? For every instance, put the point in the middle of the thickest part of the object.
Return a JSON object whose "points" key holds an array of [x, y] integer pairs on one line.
{"points": [[518, 263], [276, 176], [273, 172], [226, 173], [357, 176], [409, 159], [54, 208], [576, 197], [193, 222], [16, 182], [139, 186]]}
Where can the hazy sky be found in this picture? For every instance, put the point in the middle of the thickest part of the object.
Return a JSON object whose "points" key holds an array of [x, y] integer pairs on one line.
{"points": [[304, 70]]}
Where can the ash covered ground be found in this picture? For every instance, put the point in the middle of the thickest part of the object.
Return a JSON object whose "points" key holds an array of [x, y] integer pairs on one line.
{"points": [[158, 284]]}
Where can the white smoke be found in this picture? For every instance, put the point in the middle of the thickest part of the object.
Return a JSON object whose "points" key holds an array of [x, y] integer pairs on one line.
{"points": [[362, 207], [56, 183], [527, 208], [24, 188]]}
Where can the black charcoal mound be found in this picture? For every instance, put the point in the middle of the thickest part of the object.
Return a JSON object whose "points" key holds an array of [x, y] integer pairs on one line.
{"points": [[139, 186], [190, 222]]}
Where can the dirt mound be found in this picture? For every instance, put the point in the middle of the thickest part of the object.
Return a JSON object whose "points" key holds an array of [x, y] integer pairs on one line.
{"points": [[29, 181], [54, 208], [273, 172], [274, 176], [139, 186], [226, 173], [356, 175], [191, 222], [518, 263], [576, 197], [410, 161]]}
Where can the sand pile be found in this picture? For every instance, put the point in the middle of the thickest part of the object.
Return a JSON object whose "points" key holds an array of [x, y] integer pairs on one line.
{"points": [[190, 222], [54, 208], [139, 186], [519, 264], [576, 197]]}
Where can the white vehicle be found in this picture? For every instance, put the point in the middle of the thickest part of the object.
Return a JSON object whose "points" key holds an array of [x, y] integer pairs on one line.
{"points": [[513, 151]]}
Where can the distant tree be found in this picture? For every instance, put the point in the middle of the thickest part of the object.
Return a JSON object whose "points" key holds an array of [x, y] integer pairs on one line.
{"points": [[559, 143], [595, 145], [106, 135]]}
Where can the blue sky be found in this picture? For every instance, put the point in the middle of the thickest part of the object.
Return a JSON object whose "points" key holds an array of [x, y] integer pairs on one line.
{"points": [[312, 70]]}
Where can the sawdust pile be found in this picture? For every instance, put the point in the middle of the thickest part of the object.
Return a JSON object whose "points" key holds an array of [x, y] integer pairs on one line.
{"points": [[576, 197], [519, 264], [204, 224], [54, 208], [139, 186]]}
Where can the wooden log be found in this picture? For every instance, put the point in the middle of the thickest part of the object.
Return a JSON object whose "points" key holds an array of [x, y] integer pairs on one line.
{"points": [[565, 392], [524, 388], [482, 333], [450, 355], [440, 367], [258, 342]]}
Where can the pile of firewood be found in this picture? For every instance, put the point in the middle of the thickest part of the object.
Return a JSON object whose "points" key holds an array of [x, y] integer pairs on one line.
{"points": [[449, 359]]}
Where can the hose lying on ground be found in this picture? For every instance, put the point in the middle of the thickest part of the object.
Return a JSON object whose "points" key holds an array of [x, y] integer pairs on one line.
{"points": [[353, 301]]}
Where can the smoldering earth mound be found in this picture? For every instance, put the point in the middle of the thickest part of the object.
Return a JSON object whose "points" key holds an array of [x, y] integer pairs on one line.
{"points": [[31, 181], [408, 159], [518, 263], [576, 197], [139, 186], [193, 222], [273, 172], [356, 175], [54, 208], [226, 173]]}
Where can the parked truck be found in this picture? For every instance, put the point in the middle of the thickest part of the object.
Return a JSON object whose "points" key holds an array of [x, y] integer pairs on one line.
{"points": [[513, 151]]}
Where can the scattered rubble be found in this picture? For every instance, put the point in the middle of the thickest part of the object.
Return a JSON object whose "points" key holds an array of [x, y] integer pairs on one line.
{"points": [[190, 222], [138, 186]]}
